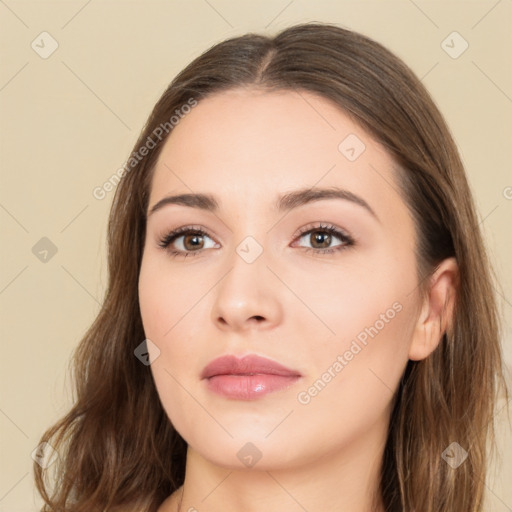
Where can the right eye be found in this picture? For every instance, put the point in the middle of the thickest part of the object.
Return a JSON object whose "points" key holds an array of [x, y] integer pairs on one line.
{"points": [[187, 240]]}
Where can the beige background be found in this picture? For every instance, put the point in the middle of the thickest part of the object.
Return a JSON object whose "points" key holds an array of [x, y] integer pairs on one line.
{"points": [[69, 121]]}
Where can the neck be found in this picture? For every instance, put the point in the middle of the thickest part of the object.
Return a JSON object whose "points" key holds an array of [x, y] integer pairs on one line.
{"points": [[343, 481]]}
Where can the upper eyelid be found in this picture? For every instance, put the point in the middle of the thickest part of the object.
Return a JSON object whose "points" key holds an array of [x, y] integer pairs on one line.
{"points": [[323, 225]]}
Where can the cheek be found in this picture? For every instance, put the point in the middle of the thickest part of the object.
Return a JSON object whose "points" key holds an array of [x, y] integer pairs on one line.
{"points": [[361, 350], [354, 380], [166, 298], [169, 303], [364, 298]]}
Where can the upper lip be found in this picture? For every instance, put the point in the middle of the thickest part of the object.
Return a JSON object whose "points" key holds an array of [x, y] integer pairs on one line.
{"points": [[247, 365]]}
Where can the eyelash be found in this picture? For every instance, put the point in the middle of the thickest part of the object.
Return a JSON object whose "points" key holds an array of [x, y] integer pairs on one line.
{"points": [[169, 238]]}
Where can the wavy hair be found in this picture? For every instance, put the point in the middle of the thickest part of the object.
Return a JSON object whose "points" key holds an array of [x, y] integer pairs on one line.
{"points": [[116, 445]]}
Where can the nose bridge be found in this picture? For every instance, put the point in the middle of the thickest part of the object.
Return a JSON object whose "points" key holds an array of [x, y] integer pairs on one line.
{"points": [[247, 293]]}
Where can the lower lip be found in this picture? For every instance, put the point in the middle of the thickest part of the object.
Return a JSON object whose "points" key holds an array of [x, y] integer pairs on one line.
{"points": [[249, 387]]}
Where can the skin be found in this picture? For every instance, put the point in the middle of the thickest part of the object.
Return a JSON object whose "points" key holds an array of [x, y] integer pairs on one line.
{"points": [[293, 305]]}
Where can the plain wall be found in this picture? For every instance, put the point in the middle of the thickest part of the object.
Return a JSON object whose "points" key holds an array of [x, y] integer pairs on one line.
{"points": [[69, 121]]}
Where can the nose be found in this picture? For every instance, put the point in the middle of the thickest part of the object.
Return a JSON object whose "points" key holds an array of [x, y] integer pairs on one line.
{"points": [[247, 297]]}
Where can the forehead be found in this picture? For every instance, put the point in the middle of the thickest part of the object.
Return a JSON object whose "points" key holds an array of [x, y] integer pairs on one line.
{"points": [[250, 145]]}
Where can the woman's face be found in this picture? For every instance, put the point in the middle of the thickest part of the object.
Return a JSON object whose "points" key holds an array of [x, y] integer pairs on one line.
{"points": [[324, 285]]}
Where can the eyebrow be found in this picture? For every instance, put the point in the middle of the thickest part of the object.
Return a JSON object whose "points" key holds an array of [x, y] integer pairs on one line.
{"points": [[284, 203]]}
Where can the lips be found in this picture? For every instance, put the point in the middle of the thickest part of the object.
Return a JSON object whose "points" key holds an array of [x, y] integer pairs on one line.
{"points": [[248, 378], [248, 365]]}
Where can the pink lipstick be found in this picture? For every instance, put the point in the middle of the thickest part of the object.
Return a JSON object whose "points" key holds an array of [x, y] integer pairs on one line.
{"points": [[248, 378]]}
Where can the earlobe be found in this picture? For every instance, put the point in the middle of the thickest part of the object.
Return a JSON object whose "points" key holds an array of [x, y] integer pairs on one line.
{"points": [[437, 311]]}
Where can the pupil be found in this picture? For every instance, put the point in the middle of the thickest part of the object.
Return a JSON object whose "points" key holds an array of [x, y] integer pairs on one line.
{"points": [[323, 235], [193, 237]]}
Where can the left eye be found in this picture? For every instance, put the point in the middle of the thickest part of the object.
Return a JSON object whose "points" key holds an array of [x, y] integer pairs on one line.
{"points": [[322, 237]]}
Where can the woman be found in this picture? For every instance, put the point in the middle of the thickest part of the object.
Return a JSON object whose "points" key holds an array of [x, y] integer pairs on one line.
{"points": [[299, 300]]}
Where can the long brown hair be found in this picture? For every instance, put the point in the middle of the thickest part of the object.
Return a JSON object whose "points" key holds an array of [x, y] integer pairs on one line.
{"points": [[117, 446]]}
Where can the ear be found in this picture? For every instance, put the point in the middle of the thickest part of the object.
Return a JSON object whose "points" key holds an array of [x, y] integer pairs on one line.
{"points": [[437, 310]]}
